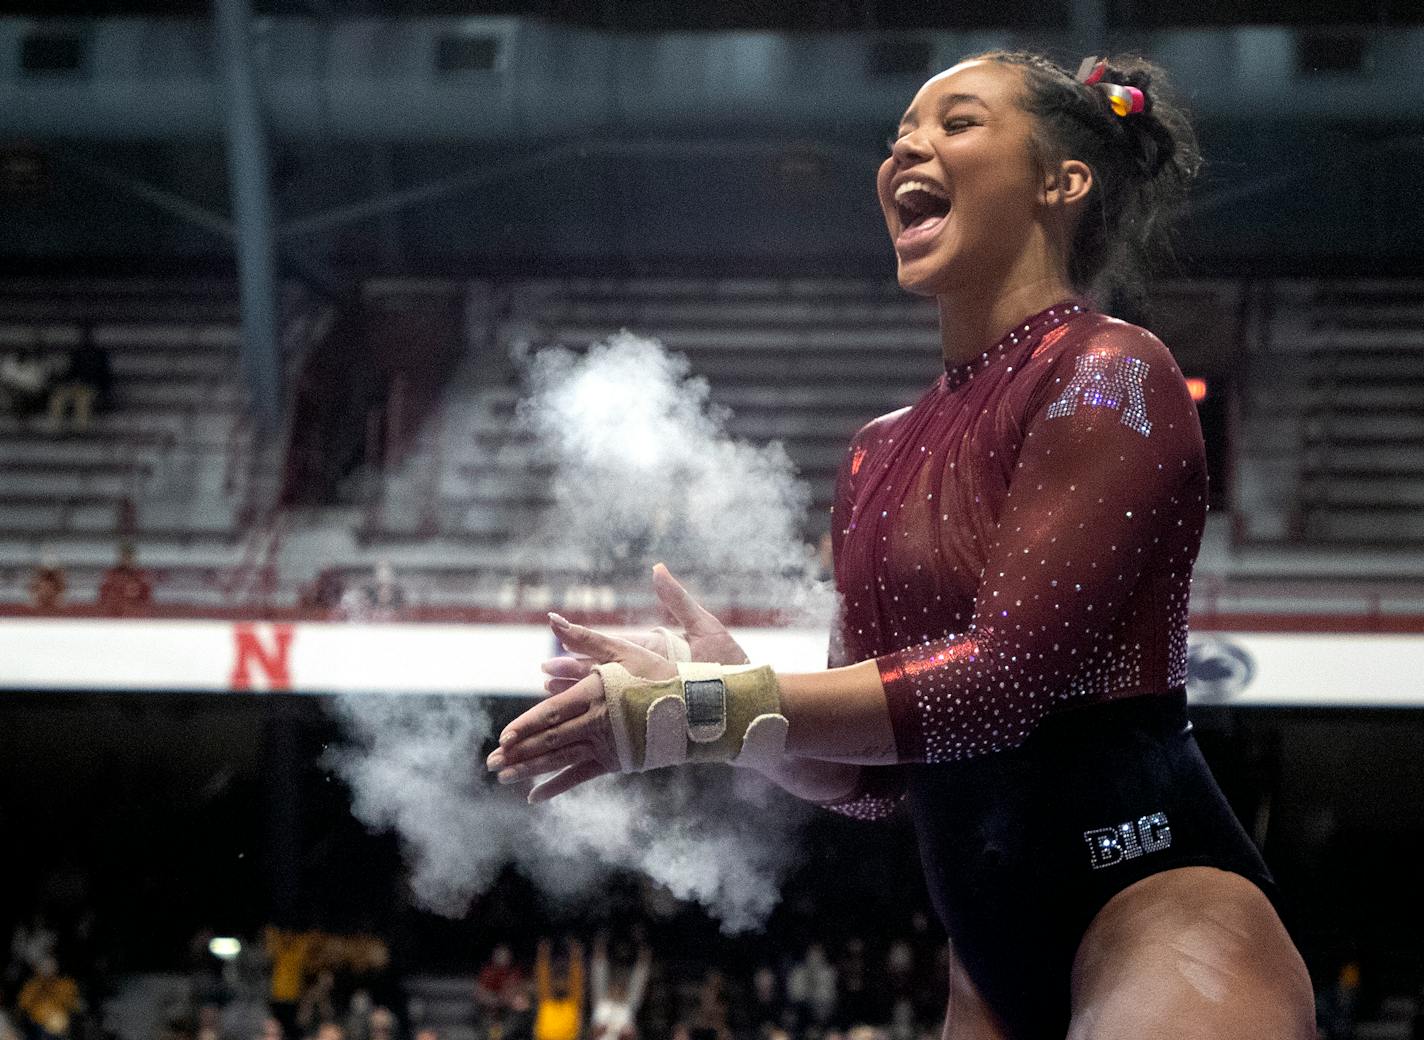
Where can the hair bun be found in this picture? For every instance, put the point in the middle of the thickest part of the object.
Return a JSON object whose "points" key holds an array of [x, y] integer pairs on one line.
{"points": [[1152, 143]]}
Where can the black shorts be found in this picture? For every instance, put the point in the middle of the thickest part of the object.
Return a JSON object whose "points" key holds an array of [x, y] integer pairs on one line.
{"points": [[1022, 848]]}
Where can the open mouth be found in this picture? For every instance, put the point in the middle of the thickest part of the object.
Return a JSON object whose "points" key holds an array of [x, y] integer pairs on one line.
{"points": [[920, 205]]}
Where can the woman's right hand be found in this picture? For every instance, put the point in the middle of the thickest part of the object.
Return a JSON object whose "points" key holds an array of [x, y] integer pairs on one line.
{"points": [[708, 638]]}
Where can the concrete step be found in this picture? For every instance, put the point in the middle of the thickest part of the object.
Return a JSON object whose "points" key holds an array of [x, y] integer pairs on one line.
{"points": [[717, 339], [89, 453], [1400, 335], [825, 312], [1381, 458], [39, 516], [1379, 493], [227, 396], [1373, 424], [1367, 525], [748, 426], [65, 485], [194, 364], [1396, 396]]}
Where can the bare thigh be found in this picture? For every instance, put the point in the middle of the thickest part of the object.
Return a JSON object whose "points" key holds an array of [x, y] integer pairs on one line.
{"points": [[968, 1016], [1194, 953]]}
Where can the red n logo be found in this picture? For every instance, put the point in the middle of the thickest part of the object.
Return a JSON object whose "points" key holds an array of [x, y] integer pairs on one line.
{"points": [[273, 661]]}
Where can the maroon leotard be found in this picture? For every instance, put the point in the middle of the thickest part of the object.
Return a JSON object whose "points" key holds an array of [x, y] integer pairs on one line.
{"points": [[1020, 540]]}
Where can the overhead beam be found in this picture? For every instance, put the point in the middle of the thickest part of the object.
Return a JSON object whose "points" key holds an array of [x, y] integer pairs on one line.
{"points": [[248, 181]]}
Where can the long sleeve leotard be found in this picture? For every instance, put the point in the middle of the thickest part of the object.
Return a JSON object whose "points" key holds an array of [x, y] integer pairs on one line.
{"points": [[1020, 540]]}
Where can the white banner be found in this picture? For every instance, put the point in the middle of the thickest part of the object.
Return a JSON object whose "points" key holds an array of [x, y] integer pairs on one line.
{"points": [[1247, 668]]}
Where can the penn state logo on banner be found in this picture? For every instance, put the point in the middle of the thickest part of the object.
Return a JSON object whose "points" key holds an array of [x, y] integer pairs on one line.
{"points": [[1217, 668]]}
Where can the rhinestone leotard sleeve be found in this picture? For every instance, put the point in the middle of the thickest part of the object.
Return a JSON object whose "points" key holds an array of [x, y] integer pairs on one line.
{"points": [[1086, 566]]}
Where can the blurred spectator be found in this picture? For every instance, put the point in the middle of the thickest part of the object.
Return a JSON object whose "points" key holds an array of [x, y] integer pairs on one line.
{"points": [[317, 1008], [427, 1033], [900, 989], [856, 1001], [497, 980], [381, 597], [125, 586], [708, 1020], [811, 987], [358, 1016], [616, 996], [8, 1028], [85, 385], [515, 1021], [32, 944], [50, 1001], [328, 1030], [289, 953], [1336, 1005], [383, 1024], [765, 1012], [209, 1023], [25, 379], [323, 592], [47, 584], [559, 1011], [271, 1030]]}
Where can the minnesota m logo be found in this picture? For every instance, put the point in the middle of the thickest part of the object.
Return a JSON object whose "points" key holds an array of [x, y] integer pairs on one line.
{"points": [[1107, 381]]}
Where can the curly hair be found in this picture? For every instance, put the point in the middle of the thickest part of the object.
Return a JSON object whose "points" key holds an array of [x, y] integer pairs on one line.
{"points": [[1143, 167]]}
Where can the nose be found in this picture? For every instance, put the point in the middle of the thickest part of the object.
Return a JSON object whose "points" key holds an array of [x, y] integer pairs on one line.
{"points": [[909, 148]]}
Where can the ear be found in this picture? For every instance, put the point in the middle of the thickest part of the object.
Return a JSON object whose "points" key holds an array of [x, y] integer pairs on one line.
{"points": [[1068, 184]]}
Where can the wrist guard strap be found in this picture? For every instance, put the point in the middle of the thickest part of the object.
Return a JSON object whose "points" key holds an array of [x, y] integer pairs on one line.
{"points": [[709, 713]]}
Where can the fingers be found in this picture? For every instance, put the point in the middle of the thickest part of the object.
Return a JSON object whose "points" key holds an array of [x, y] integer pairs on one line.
{"points": [[566, 781], [568, 667], [568, 755], [565, 734], [572, 703], [565, 672], [603, 649], [585, 640], [688, 612]]}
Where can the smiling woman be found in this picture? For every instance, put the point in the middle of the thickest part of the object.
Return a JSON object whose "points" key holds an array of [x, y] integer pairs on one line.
{"points": [[1014, 552]]}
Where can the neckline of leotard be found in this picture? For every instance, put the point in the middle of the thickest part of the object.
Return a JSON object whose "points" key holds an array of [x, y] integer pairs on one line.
{"points": [[1030, 329]]}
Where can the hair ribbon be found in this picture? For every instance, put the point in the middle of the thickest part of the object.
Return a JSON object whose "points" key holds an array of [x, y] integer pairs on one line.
{"points": [[1124, 100]]}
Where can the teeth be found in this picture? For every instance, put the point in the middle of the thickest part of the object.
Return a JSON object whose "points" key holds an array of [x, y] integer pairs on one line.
{"points": [[924, 186]]}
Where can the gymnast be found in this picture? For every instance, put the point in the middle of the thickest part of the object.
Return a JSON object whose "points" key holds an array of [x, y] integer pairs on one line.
{"points": [[1013, 552]]}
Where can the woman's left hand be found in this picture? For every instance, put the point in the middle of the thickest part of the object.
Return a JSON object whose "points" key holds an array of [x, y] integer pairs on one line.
{"points": [[571, 731]]}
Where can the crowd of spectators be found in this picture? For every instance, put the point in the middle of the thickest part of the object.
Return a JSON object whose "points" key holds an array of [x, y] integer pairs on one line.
{"points": [[309, 984], [124, 588], [891, 987]]}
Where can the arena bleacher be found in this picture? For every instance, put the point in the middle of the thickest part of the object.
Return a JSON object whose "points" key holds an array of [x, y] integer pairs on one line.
{"points": [[1324, 444]]}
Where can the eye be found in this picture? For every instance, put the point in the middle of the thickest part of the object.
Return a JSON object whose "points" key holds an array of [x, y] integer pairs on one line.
{"points": [[954, 123]]}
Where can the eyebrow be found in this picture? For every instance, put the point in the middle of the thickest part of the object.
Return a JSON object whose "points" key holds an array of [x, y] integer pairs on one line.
{"points": [[951, 99]]}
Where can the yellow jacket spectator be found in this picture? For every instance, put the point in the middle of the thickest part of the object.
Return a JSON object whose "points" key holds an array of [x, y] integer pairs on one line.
{"points": [[559, 1015], [50, 999]]}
